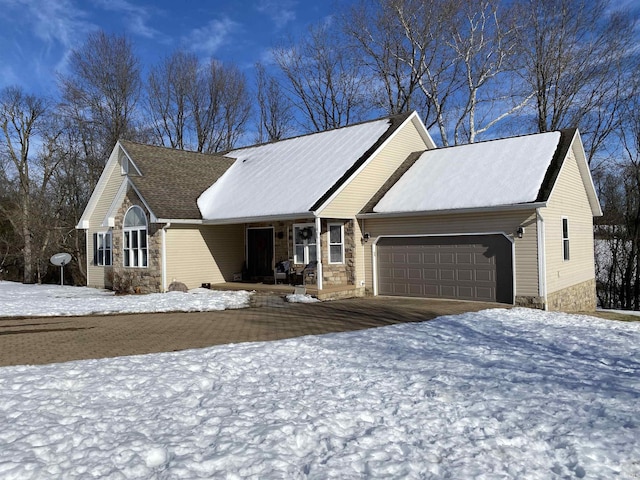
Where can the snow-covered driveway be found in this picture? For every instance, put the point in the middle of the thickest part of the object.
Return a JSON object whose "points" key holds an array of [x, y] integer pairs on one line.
{"points": [[495, 394]]}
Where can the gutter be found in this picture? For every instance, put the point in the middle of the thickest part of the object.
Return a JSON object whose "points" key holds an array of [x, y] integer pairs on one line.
{"points": [[422, 213], [263, 218], [542, 270]]}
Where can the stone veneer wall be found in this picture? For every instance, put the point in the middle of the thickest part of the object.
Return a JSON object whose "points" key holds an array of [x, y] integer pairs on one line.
{"points": [[577, 298], [334, 275], [137, 279], [530, 302]]}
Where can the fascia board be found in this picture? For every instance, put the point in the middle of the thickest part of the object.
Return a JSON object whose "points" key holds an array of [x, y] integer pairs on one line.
{"points": [[499, 208]]}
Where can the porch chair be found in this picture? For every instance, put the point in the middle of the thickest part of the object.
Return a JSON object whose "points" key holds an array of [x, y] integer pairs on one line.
{"points": [[282, 271], [309, 272]]}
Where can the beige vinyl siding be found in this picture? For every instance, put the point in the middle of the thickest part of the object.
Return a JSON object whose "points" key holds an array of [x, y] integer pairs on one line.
{"points": [[198, 254], [97, 276], [568, 199], [526, 255], [357, 192]]}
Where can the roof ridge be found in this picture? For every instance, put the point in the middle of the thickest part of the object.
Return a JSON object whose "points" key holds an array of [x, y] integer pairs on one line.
{"points": [[172, 149], [386, 117], [562, 131]]}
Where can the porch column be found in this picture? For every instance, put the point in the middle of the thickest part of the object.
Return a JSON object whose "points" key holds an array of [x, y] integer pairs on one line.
{"points": [[318, 255]]}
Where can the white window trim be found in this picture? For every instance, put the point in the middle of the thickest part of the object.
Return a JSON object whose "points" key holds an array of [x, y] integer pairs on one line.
{"points": [[329, 244], [306, 256], [110, 249], [137, 251], [566, 239]]}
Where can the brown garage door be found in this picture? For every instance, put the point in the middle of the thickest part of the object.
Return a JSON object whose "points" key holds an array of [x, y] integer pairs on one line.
{"points": [[477, 267]]}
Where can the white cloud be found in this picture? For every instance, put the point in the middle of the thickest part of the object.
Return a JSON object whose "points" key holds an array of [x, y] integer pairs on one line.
{"points": [[281, 12], [136, 16], [207, 40]]}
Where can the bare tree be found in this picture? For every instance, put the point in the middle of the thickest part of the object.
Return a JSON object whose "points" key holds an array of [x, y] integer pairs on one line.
{"points": [[576, 58], [220, 106], [21, 119], [100, 95], [170, 87], [276, 116], [323, 80]]}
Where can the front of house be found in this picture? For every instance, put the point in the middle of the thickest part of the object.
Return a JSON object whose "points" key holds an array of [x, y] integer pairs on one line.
{"points": [[375, 207]]}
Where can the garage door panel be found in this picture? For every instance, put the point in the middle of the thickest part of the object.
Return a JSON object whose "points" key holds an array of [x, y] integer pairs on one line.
{"points": [[463, 267]]}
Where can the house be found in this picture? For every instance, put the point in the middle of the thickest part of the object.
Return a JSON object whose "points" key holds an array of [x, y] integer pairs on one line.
{"points": [[376, 205]]}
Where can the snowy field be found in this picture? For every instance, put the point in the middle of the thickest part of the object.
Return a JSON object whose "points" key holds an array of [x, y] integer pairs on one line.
{"points": [[17, 299], [497, 394]]}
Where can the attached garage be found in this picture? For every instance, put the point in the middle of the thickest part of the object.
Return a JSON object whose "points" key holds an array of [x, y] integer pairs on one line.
{"points": [[464, 267]]}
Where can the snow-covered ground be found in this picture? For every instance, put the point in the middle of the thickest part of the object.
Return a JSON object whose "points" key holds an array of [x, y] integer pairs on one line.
{"points": [[496, 394], [17, 299]]}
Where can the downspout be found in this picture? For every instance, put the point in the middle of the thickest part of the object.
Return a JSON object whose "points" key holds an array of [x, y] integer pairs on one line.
{"points": [[318, 255], [542, 270], [86, 242], [164, 256]]}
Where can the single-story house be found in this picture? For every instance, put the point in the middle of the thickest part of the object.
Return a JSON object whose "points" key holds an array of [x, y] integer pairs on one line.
{"points": [[375, 206]]}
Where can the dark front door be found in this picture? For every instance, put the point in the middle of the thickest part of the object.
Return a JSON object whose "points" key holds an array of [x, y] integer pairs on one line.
{"points": [[260, 252]]}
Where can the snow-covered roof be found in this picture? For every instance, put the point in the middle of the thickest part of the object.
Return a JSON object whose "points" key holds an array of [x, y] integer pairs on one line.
{"points": [[493, 173], [288, 177]]}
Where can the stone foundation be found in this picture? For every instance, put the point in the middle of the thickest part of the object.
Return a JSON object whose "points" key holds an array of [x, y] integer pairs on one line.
{"points": [[577, 298], [529, 302]]}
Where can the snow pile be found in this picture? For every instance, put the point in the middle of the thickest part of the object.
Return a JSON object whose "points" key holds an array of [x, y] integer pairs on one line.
{"points": [[495, 394], [300, 298], [17, 299], [498, 172], [289, 176]]}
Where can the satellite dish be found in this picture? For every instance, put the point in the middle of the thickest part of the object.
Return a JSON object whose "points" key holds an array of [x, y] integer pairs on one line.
{"points": [[61, 259]]}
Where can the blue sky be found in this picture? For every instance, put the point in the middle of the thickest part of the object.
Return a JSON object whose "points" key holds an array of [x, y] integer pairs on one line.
{"points": [[36, 36]]}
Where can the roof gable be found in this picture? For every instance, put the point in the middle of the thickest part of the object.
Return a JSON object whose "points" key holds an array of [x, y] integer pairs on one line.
{"points": [[291, 177]]}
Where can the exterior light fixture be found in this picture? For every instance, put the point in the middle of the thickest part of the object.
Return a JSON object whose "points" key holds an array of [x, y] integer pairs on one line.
{"points": [[520, 232]]}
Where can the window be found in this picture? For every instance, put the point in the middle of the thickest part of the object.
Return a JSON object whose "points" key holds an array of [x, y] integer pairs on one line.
{"points": [[135, 238], [336, 243], [304, 243], [565, 238], [102, 249]]}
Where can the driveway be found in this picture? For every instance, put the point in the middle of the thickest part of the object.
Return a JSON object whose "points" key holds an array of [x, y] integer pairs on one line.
{"points": [[61, 339]]}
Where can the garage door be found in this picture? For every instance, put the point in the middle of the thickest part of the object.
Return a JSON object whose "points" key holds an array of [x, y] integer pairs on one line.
{"points": [[475, 267]]}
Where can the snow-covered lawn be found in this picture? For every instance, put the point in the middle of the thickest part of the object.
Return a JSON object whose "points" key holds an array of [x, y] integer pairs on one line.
{"points": [[497, 394], [17, 299]]}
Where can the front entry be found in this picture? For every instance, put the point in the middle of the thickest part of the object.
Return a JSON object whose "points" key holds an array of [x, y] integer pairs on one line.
{"points": [[259, 253]]}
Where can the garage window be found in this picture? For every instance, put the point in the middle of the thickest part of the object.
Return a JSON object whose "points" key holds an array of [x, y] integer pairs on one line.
{"points": [[565, 238], [336, 243]]}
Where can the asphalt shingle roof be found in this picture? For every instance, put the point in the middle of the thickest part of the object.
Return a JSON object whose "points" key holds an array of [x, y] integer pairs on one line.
{"points": [[172, 180]]}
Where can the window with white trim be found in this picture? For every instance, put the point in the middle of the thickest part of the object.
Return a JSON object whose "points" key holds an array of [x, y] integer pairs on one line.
{"points": [[336, 243], [565, 238], [102, 249], [135, 238], [304, 243]]}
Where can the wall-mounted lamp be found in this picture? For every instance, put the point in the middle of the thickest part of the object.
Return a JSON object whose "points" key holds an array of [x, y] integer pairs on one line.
{"points": [[366, 237], [520, 232]]}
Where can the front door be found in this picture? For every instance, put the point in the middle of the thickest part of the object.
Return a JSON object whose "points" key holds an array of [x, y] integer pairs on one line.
{"points": [[259, 253]]}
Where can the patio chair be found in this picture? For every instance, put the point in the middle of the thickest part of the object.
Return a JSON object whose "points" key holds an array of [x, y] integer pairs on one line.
{"points": [[282, 271], [309, 272]]}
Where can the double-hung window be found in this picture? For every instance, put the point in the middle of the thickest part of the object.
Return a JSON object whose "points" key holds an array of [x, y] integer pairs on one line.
{"points": [[304, 243], [565, 238], [336, 243], [102, 249], [135, 238]]}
